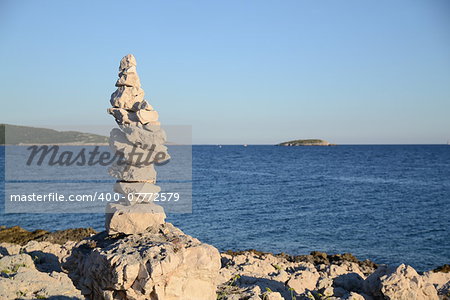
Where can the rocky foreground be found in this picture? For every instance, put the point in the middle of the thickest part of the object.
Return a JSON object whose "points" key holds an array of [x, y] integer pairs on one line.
{"points": [[168, 264]]}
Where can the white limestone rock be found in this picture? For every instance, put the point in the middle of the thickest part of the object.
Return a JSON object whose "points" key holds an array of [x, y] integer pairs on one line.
{"points": [[272, 296], [130, 98], [151, 126], [147, 116], [124, 187], [124, 117], [136, 153], [144, 105], [12, 263], [440, 280], [402, 282], [137, 192], [127, 61], [164, 264], [144, 136], [356, 296], [132, 173], [9, 249], [336, 270], [303, 281], [21, 279], [324, 283], [47, 255], [372, 284], [136, 156], [130, 69], [128, 79], [133, 219], [406, 283]]}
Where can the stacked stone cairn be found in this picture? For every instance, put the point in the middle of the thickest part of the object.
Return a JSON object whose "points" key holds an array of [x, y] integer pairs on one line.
{"points": [[140, 142], [140, 256]]}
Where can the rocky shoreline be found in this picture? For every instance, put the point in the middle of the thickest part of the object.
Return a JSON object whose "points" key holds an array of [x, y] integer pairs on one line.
{"points": [[53, 265]]}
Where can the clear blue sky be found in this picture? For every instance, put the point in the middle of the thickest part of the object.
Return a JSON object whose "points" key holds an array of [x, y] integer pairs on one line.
{"points": [[237, 71]]}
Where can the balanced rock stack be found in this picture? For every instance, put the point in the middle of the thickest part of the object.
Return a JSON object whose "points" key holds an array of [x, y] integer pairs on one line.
{"points": [[140, 256], [140, 141]]}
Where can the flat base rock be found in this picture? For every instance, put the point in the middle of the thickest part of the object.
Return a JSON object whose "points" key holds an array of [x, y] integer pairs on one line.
{"points": [[133, 219], [165, 264]]}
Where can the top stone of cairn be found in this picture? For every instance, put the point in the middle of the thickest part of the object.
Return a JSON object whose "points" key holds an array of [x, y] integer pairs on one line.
{"points": [[127, 61], [127, 73]]}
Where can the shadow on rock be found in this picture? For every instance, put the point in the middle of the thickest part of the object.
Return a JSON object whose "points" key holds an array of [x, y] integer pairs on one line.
{"points": [[45, 262], [351, 282], [264, 284]]}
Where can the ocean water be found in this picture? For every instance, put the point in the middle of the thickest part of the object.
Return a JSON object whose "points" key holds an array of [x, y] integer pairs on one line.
{"points": [[387, 203]]}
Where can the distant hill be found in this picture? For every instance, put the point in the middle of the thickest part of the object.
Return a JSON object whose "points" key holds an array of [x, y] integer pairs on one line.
{"points": [[15, 135], [308, 142]]}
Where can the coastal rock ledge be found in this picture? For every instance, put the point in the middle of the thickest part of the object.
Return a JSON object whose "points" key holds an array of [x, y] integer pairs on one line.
{"points": [[165, 264], [254, 275]]}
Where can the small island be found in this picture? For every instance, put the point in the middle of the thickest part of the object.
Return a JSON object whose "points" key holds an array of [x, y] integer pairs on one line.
{"points": [[308, 142]]}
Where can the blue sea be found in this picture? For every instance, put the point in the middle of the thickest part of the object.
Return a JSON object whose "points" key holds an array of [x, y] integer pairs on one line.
{"points": [[387, 203]]}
